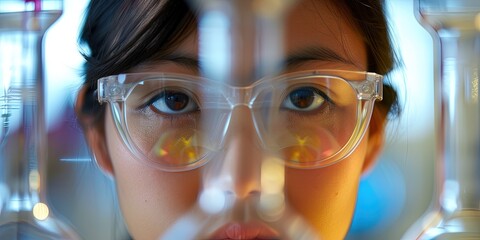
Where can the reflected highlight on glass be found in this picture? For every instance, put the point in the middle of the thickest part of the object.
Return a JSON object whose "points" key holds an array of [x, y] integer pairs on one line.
{"points": [[40, 211]]}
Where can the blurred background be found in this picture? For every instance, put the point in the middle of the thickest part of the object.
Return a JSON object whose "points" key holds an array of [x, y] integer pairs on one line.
{"points": [[392, 195]]}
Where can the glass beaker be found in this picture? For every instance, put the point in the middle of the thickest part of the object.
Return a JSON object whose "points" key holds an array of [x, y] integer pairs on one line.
{"points": [[24, 211], [235, 37], [455, 209]]}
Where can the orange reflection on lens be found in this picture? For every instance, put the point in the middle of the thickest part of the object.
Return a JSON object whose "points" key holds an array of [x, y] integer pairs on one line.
{"points": [[309, 149], [178, 148], [301, 152]]}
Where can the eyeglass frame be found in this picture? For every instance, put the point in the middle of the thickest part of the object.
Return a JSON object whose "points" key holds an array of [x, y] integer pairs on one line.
{"points": [[116, 89]]}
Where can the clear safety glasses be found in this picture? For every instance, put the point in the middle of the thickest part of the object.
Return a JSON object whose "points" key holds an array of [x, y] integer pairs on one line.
{"points": [[175, 122]]}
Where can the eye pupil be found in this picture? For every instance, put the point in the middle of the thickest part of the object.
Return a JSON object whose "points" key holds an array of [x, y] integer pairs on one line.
{"points": [[176, 100], [302, 98]]}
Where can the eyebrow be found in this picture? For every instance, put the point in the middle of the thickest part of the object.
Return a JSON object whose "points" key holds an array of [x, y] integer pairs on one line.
{"points": [[189, 61], [314, 54], [296, 58]]}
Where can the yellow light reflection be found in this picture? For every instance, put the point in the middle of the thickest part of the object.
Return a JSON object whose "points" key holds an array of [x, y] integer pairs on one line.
{"points": [[302, 140], [272, 199], [189, 149], [272, 176], [272, 206], [477, 21], [40, 211], [300, 152], [474, 90], [34, 180], [174, 149], [162, 152]]}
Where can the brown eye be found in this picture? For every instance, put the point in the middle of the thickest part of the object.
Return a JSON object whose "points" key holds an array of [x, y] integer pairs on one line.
{"points": [[172, 102], [304, 99], [176, 101]]}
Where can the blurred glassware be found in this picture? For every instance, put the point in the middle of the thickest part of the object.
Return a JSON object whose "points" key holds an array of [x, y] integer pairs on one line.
{"points": [[24, 211], [455, 208], [240, 41]]}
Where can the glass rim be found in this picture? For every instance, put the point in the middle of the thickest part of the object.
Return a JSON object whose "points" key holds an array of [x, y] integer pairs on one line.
{"points": [[115, 89]]}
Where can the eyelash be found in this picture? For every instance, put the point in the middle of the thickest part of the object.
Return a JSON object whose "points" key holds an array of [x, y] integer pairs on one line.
{"points": [[146, 107], [328, 101]]}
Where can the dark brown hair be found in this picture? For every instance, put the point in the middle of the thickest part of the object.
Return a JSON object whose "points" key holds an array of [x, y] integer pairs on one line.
{"points": [[121, 34], [369, 17]]}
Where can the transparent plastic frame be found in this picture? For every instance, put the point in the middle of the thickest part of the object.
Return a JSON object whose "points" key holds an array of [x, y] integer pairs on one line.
{"points": [[116, 89]]}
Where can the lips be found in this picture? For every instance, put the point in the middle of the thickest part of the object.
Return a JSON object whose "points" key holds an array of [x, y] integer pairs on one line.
{"points": [[239, 231]]}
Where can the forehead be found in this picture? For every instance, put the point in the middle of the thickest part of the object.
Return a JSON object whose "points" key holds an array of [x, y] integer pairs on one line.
{"points": [[320, 23], [309, 24]]}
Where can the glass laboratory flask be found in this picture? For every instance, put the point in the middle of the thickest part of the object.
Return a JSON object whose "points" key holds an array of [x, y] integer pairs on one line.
{"points": [[455, 210], [236, 35], [24, 211]]}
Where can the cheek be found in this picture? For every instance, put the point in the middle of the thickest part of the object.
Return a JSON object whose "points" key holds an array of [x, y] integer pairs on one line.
{"points": [[326, 197], [150, 199]]}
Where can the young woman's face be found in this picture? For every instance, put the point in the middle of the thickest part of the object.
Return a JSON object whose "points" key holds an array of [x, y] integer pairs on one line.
{"points": [[152, 200]]}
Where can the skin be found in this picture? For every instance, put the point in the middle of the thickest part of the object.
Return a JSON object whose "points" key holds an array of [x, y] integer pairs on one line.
{"points": [[151, 200]]}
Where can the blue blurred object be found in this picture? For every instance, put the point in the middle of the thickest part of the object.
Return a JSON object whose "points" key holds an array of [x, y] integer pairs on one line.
{"points": [[380, 200]]}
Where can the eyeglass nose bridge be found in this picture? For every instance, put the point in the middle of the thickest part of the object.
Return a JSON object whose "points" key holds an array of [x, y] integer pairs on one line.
{"points": [[241, 101], [240, 96]]}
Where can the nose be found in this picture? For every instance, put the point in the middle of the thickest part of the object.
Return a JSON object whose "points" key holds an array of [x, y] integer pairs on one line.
{"points": [[236, 171]]}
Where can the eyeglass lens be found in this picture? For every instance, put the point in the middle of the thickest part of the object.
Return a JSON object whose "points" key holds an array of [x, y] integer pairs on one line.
{"points": [[304, 120]]}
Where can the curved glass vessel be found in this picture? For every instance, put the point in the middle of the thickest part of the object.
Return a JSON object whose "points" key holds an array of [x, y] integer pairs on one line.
{"points": [[24, 211], [455, 209]]}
